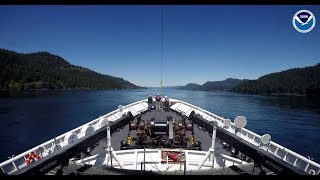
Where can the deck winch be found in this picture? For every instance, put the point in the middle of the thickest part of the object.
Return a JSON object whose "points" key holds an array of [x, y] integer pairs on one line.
{"points": [[166, 133]]}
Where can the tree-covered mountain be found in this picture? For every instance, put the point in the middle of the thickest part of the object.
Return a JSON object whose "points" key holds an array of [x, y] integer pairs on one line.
{"points": [[302, 81], [190, 86], [224, 85], [43, 70]]}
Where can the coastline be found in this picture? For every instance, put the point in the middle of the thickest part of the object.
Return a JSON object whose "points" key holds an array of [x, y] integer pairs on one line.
{"points": [[69, 89], [263, 94]]}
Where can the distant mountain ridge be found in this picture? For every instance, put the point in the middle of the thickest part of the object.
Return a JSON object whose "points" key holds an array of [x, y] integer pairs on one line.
{"points": [[191, 86], [43, 70], [298, 81], [224, 85]]}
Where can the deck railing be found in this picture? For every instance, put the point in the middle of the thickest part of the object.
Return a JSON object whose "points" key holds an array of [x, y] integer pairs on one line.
{"points": [[273, 148], [65, 140]]}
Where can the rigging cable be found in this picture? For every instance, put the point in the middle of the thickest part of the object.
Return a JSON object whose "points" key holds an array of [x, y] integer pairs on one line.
{"points": [[161, 47]]}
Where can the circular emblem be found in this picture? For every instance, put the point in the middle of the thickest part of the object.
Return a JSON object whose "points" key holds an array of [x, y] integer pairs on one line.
{"points": [[303, 21]]}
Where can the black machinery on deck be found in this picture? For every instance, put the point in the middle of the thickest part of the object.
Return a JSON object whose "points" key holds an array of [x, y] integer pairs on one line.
{"points": [[165, 133]]}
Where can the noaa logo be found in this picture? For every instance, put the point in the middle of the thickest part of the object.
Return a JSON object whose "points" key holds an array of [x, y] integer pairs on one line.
{"points": [[303, 21]]}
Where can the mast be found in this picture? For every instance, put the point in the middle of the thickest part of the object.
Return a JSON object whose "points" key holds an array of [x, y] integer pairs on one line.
{"points": [[161, 48]]}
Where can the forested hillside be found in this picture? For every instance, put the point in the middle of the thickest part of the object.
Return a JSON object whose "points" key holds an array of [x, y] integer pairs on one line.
{"points": [[300, 81], [43, 70]]}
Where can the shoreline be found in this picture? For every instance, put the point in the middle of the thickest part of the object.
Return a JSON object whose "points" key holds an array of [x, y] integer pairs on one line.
{"points": [[68, 89], [262, 94]]}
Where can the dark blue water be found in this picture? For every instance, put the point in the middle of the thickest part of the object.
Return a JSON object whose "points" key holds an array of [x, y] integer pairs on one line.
{"points": [[30, 118]]}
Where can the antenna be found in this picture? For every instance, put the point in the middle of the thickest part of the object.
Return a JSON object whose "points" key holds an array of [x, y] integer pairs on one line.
{"points": [[161, 47], [120, 107], [227, 122], [265, 139], [240, 121]]}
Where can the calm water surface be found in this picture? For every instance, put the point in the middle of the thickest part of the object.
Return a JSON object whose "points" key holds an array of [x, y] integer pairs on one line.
{"points": [[30, 118]]}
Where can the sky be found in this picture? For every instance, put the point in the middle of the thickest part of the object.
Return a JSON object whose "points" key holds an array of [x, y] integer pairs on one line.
{"points": [[200, 43]]}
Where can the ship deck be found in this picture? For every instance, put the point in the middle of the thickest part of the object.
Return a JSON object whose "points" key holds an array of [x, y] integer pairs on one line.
{"points": [[76, 169], [199, 134]]}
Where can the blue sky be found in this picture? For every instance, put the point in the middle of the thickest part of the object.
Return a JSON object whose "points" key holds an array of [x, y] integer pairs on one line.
{"points": [[201, 43]]}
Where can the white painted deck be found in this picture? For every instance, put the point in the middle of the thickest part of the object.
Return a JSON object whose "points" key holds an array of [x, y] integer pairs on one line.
{"points": [[132, 160]]}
